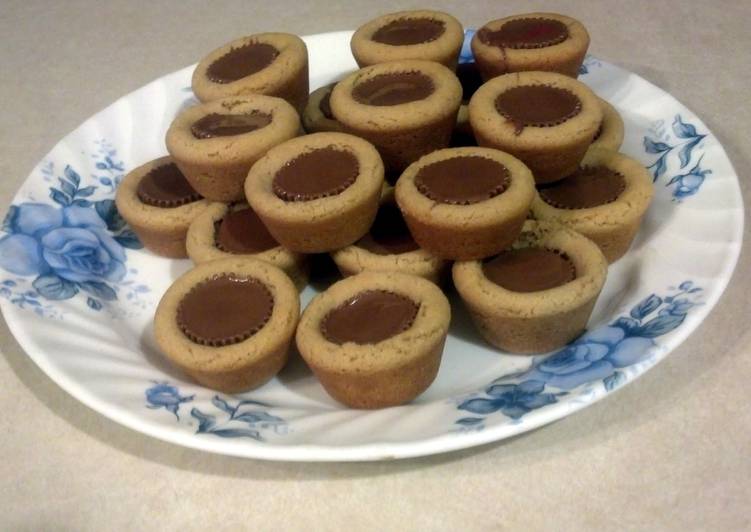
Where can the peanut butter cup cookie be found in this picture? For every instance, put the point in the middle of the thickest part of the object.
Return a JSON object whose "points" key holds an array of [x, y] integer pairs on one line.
{"points": [[317, 193], [216, 143], [423, 34], [405, 108], [610, 133], [159, 204], [545, 119], [536, 296], [317, 116], [275, 64], [224, 231], [465, 203], [375, 339], [228, 323], [534, 41], [604, 199], [389, 246]]}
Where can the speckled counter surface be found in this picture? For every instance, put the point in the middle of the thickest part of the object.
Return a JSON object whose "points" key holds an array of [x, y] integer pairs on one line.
{"points": [[670, 451]]}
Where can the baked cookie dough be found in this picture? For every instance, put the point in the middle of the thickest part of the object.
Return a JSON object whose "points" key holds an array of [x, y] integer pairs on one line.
{"points": [[223, 231], [375, 339], [215, 144], [405, 108], [317, 193], [228, 323], [317, 116], [547, 120], [389, 246], [159, 204], [610, 133], [422, 34], [465, 203], [536, 296], [533, 41], [275, 64], [605, 200]]}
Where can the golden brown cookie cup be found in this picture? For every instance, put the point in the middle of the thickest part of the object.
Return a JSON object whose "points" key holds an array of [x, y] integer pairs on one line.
{"points": [[201, 246], [216, 167], [551, 152], [313, 118], [463, 232], [286, 77], [610, 133], [444, 49], [354, 259], [614, 225], [388, 373], [405, 132], [323, 224], [535, 322], [160, 230], [243, 365], [565, 57]]}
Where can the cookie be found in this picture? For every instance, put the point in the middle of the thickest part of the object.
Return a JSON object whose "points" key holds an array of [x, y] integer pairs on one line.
{"points": [[317, 116], [610, 133]]}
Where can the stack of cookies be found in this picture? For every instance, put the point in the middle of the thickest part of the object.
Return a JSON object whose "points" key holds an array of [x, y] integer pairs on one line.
{"points": [[503, 172]]}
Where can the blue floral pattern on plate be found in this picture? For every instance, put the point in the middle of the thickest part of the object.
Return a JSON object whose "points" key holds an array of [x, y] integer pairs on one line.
{"points": [[598, 356]]}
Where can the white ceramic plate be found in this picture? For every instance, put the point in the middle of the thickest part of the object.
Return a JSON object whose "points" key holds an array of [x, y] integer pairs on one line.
{"points": [[79, 296]]}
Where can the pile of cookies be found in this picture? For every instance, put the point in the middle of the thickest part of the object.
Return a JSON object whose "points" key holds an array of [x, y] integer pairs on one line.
{"points": [[504, 172]]}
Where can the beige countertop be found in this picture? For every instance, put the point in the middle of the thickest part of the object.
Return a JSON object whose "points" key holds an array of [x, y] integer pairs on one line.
{"points": [[670, 451]]}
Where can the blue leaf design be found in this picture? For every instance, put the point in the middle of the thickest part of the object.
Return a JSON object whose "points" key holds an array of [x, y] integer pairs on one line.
{"points": [[10, 218], [54, 287], [107, 211], [251, 402], [106, 181], [685, 285], [72, 176], [101, 166], [82, 203], [659, 326], [659, 167], [469, 421], [683, 130], [685, 154], [93, 303], [583, 70], [646, 307], [257, 417], [101, 290], [205, 421], [128, 239], [694, 290], [613, 381], [67, 187], [480, 406], [237, 433], [85, 192], [59, 197], [652, 146], [627, 324], [221, 404]]}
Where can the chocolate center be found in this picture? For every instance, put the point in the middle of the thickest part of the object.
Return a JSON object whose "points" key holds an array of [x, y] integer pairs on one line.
{"points": [[589, 186], [537, 105], [240, 62], [526, 33], [462, 180], [529, 269], [369, 317], [469, 77], [316, 174], [389, 234], [243, 232], [165, 186], [224, 310], [325, 104], [221, 125], [394, 89], [408, 31]]}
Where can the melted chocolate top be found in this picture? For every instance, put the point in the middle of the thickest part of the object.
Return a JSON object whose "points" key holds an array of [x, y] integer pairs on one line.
{"points": [[241, 62], [529, 269], [221, 125], [526, 33], [408, 31], [316, 174], [389, 234], [394, 89], [589, 186], [224, 310], [243, 232], [165, 186], [462, 180], [537, 106], [369, 317]]}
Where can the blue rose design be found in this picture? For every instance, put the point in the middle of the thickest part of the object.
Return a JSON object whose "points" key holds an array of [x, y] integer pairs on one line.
{"points": [[514, 400], [71, 243], [163, 395]]}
